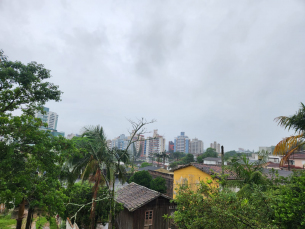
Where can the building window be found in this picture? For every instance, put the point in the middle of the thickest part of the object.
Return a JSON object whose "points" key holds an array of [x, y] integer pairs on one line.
{"points": [[148, 217]]}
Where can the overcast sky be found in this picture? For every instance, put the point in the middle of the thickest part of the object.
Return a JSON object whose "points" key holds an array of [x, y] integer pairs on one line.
{"points": [[219, 70]]}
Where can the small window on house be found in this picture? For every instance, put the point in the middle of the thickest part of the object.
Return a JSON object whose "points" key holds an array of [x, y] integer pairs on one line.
{"points": [[148, 217]]}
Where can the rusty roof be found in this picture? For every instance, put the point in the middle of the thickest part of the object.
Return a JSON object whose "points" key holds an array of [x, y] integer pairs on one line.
{"points": [[134, 196]]}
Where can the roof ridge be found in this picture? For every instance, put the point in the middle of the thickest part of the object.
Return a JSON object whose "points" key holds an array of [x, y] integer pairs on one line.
{"points": [[144, 187]]}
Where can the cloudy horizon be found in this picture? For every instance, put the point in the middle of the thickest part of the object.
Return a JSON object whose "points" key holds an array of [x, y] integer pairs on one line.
{"points": [[216, 70]]}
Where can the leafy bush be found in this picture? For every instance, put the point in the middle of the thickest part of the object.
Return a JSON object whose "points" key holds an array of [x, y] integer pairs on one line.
{"points": [[142, 178], [158, 184], [145, 164]]}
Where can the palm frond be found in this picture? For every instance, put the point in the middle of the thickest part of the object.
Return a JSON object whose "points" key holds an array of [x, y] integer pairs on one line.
{"points": [[296, 121], [287, 144], [90, 168]]}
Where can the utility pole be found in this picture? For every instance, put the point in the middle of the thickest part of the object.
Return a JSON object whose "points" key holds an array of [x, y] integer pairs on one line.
{"points": [[222, 161]]}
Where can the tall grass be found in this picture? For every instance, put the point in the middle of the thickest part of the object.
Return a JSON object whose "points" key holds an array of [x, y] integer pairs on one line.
{"points": [[6, 222]]}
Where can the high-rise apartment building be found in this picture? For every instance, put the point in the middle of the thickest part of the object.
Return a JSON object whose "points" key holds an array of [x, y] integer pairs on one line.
{"points": [[196, 146], [139, 142], [215, 146], [109, 144], [171, 146], [154, 144], [182, 143], [120, 142], [50, 117]]}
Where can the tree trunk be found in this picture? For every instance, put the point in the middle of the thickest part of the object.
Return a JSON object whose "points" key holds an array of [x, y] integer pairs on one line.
{"points": [[92, 213], [20, 214], [113, 207], [29, 218]]}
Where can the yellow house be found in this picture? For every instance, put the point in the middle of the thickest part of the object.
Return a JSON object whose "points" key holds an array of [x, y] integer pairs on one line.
{"points": [[193, 173]]}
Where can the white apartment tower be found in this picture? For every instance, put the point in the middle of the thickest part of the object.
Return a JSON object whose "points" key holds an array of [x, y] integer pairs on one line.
{"points": [[50, 117], [182, 143], [196, 146], [215, 146], [155, 144]]}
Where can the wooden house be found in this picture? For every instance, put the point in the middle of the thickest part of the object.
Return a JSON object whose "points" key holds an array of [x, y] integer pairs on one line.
{"points": [[143, 208]]}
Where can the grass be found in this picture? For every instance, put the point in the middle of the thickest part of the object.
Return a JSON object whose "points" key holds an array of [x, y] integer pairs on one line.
{"points": [[6, 222], [41, 221]]}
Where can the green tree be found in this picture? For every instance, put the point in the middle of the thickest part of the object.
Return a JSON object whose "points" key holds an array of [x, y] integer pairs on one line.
{"points": [[145, 164], [159, 157], [200, 158], [188, 159], [178, 155], [80, 194], [158, 184], [174, 165], [230, 154], [246, 172], [142, 178], [98, 157], [289, 202], [24, 147], [210, 152], [24, 86], [164, 155], [212, 207]]}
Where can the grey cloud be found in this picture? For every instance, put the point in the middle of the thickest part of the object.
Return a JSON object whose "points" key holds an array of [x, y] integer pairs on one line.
{"points": [[218, 70]]}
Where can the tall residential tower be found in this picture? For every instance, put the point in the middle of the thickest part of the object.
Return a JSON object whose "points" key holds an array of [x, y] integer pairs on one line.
{"points": [[182, 143]]}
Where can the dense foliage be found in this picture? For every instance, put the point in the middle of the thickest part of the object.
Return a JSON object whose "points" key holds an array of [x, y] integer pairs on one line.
{"points": [[142, 178], [262, 200], [30, 159], [145, 179], [158, 184], [80, 194], [210, 152], [211, 207], [145, 164], [188, 159]]}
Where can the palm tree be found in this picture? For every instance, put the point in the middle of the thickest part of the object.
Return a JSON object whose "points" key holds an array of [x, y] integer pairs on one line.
{"points": [[164, 156], [289, 145], [94, 161], [98, 157], [158, 156]]}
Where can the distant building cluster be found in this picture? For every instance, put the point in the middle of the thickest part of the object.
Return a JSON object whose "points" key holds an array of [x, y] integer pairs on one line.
{"points": [[182, 143], [147, 146]]}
